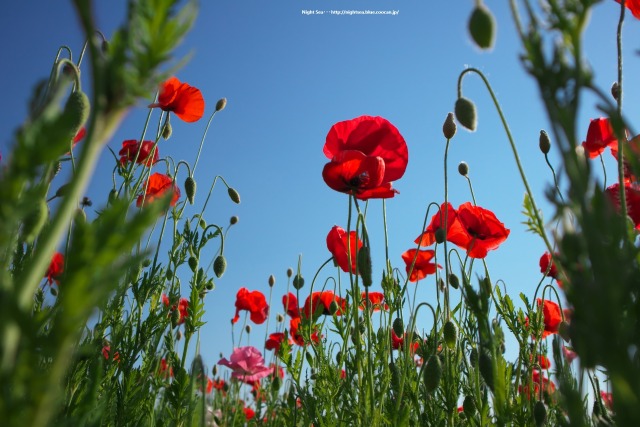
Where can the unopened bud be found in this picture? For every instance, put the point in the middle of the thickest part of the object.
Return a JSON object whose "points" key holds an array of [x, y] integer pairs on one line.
{"points": [[113, 195], [167, 130], [214, 370], [454, 281], [450, 334], [398, 327], [615, 90], [466, 113], [482, 27], [222, 102], [463, 168], [289, 272], [210, 285], [53, 291], [193, 263], [219, 266], [272, 281], [298, 281], [279, 318], [449, 127], [233, 195], [248, 329], [190, 188], [544, 142], [364, 266], [233, 220], [441, 235], [432, 373], [539, 413], [469, 406], [178, 335]]}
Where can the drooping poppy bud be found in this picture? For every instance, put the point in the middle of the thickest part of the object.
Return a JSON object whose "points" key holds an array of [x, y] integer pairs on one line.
{"points": [[233, 195], [544, 143], [398, 327], [432, 373], [482, 27], [450, 334], [466, 113], [463, 168], [190, 188], [219, 266]]}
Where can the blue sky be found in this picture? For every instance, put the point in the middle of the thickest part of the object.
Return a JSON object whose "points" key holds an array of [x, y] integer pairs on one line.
{"points": [[288, 77]]}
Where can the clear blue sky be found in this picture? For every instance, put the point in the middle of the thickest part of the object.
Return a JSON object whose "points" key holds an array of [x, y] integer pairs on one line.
{"points": [[288, 77]]}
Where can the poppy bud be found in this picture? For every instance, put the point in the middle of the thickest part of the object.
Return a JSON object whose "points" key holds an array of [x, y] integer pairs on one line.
{"points": [[279, 318], [53, 291], [233, 220], [34, 221], [615, 90], [289, 272], [113, 195], [214, 370], [485, 364], [469, 406], [275, 384], [463, 168], [364, 266], [178, 335], [398, 327], [272, 281], [544, 142], [64, 189], [169, 274], [449, 127], [210, 285], [298, 281], [167, 130], [248, 329], [466, 113], [76, 111], [104, 46], [233, 195], [441, 235], [450, 334], [334, 307], [202, 223], [175, 318], [432, 373], [222, 102], [539, 413], [482, 27], [190, 188], [473, 357], [454, 281], [564, 331], [219, 266], [339, 357], [193, 263]]}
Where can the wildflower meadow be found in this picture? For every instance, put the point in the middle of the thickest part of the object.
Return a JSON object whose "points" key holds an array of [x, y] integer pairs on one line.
{"points": [[105, 295]]}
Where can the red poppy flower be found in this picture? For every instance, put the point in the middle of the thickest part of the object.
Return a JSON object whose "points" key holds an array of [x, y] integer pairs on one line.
{"points": [[183, 306], [275, 340], [158, 185], [219, 384], [632, 193], [428, 237], [482, 231], [130, 149], [290, 303], [552, 317], [376, 301], [634, 151], [254, 302], [599, 136], [607, 398], [294, 330], [56, 268], [337, 245], [367, 154], [180, 98], [324, 303], [423, 265], [633, 6], [543, 361], [248, 413], [397, 342], [547, 266], [538, 381], [165, 370], [106, 352], [79, 136]]}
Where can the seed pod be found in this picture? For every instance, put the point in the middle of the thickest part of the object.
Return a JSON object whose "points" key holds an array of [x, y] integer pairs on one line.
{"points": [[441, 235], [190, 188], [539, 413], [364, 266], [34, 221], [449, 127], [482, 27], [486, 368], [298, 281], [233, 195], [219, 266], [233, 220], [193, 263], [466, 113], [544, 143], [469, 406], [432, 373], [222, 102], [398, 327], [450, 334]]}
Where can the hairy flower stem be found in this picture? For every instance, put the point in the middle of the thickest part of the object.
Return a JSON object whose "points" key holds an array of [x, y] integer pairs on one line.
{"points": [[621, 141], [447, 310], [204, 135], [513, 147]]}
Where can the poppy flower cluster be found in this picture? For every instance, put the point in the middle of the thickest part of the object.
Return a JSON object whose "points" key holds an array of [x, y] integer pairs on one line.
{"points": [[132, 150], [275, 340], [397, 343], [254, 302], [324, 303], [366, 155], [344, 247], [422, 266], [182, 99], [472, 228], [56, 268], [182, 306], [375, 301], [158, 185], [538, 381]]}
